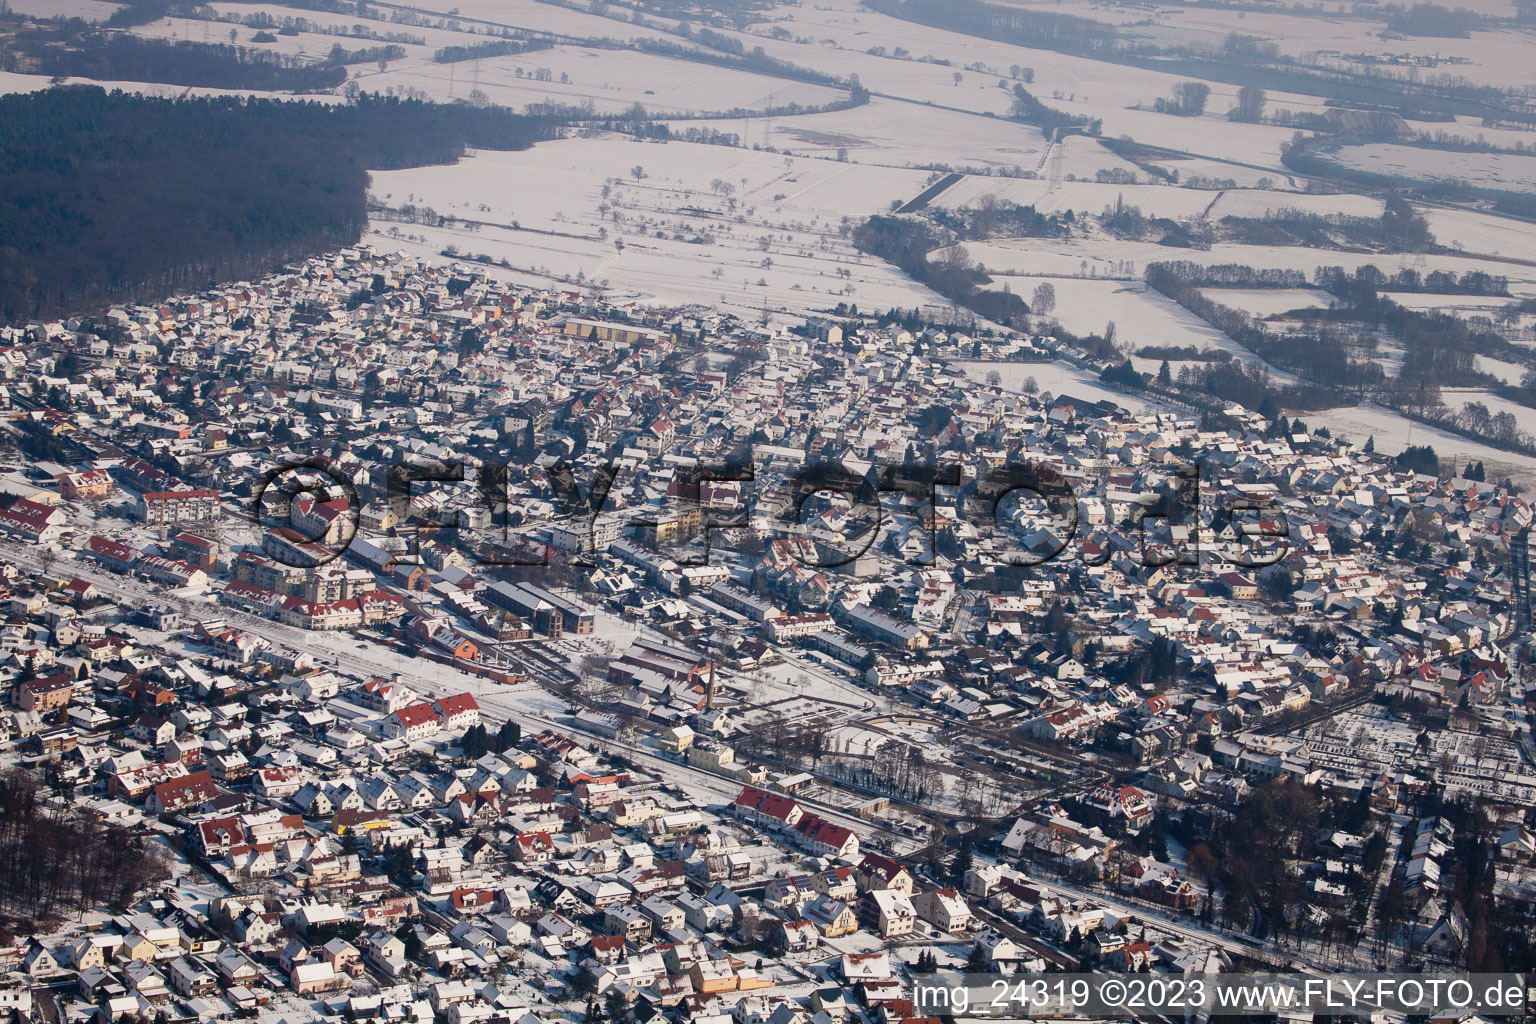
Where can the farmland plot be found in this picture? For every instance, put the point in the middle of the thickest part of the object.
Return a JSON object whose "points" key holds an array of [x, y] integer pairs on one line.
{"points": [[1394, 432], [611, 80], [892, 133], [705, 224]]}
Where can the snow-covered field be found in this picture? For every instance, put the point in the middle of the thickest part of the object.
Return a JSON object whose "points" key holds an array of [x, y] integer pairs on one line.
{"points": [[311, 45], [14, 83], [612, 80], [1267, 202], [1057, 379], [1141, 316], [530, 14], [10, 82], [1483, 233], [1511, 171], [741, 229], [1465, 305], [1111, 256], [89, 10], [1190, 167], [893, 133], [1268, 301], [1078, 156], [1081, 197], [1509, 373], [1455, 398], [1324, 34], [1394, 432]]}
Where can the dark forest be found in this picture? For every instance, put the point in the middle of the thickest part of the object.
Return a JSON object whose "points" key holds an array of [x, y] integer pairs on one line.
{"points": [[111, 197], [53, 863]]}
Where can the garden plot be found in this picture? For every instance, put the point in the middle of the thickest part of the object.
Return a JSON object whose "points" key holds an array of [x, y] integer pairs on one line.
{"points": [[611, 80], [855, 741]]}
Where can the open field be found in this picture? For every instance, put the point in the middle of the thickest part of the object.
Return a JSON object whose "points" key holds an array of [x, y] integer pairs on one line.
{"points": [[771, 234], [1512, 172], [1328, 36], [1394, 432], [1102, 255], [1059, 378], [892, 134], [13, 83], [1483, 233], [1263, 302], [89, 10], [611, 80], [1081, 197], [1509, 373]]}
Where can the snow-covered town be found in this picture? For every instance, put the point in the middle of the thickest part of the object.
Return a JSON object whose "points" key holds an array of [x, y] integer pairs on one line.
{"points": [[316, 745], [764, 511]]}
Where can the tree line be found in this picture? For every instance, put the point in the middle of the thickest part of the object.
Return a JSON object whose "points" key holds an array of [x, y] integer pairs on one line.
{"points": [[1434, 20], [76, 49], [1233, 275], [992, 217], [1043, 30], [1049, 120], [1439, 348], [1398, 228], [496, 48], [906, 242]]}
